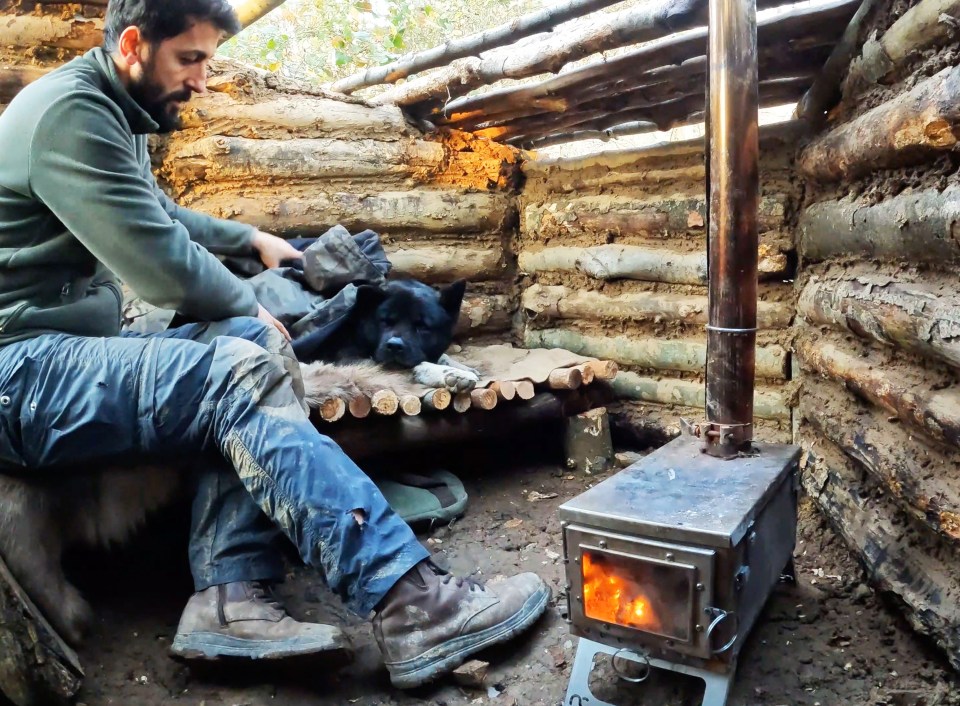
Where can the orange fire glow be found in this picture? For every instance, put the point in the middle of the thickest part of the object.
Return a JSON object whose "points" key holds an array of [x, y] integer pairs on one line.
{"points": [[613, 598]]}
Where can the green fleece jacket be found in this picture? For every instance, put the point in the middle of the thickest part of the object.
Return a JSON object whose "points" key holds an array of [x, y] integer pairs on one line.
{"points": [[80, 208]]}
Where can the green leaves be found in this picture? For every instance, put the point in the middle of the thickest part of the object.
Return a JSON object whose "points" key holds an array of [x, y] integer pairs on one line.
{"points": [[322, 40]]}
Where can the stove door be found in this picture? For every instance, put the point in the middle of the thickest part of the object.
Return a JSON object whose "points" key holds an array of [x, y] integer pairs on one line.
{"points": [[628, 591]]}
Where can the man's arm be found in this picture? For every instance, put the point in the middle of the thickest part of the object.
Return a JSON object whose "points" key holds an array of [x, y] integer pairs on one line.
{"points": [[89, 177]]}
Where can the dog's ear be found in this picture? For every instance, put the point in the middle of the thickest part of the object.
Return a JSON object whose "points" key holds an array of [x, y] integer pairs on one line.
{"points": [[369, 298], [451, 297]]}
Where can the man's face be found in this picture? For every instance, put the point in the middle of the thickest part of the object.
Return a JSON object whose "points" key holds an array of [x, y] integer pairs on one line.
{"points": [[172, 71]]}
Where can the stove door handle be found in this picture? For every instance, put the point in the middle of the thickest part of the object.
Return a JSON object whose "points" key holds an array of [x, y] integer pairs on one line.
{"points": [[719, 615]]}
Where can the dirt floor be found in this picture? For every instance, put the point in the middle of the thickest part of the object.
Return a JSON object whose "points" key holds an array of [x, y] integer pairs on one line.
{"points": [[828, 640]]}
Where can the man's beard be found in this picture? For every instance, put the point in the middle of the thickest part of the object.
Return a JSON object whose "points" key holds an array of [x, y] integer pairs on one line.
{"points": [[149, 95]]}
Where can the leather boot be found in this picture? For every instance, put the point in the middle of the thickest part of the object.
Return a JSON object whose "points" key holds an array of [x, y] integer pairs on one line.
{"points": [[430, 621], [242, 619]]}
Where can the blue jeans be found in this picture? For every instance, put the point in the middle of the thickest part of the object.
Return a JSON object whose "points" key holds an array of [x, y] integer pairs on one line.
{"points": [[211, 392]]}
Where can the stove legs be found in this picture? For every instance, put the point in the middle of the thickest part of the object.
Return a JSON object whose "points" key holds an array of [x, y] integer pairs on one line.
{"points": [[579, 694]]}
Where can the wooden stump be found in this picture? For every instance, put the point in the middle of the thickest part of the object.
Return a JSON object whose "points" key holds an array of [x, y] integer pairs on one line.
{"points": [[360, 407], [438, 399], [587, 444], [36, 666], [385, 402], [524, 389]]}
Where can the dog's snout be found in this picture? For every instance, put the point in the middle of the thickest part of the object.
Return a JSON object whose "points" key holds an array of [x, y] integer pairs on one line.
{"points": [[395, 344]]}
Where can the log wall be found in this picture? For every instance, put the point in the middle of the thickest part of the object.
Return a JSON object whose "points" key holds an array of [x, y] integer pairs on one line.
{"points": [[612, 254], [878, 327]]}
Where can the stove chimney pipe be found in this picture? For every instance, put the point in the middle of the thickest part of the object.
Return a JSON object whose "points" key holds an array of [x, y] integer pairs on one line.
{"points": [[732, 195]]}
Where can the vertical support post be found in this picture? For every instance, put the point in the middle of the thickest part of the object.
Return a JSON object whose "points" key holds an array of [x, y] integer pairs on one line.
{"points": [[733, 168]]}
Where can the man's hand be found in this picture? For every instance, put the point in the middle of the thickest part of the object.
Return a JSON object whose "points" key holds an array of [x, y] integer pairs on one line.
{"points": [[267, 318], [273, 250]]}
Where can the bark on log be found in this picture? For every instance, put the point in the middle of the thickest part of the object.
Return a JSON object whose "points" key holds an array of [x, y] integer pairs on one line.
{"points": [[639, 127], [825, 91], [564, 379], [485, 313], [249, 11], [662, 217], [446, 263], [772, 27], [907, 316], [485, 399], [14, 78], [922, 226], [935, 413], [36, 666], [927, 24], [375, 437], [30, 31], [637, 24], [417, 211], [587, 445], [471, 45], [650, 353], [438, 399], [904, 130], [565, 303], [907, 564], [241, 159], [606, 262], [767, 404], [300, 116]]}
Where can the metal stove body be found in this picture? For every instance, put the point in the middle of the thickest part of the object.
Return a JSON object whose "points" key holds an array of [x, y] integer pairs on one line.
{"points": [[670, 562]]}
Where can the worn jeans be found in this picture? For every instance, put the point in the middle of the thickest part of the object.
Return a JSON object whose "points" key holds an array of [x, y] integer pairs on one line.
{"points": [[195, 392]]}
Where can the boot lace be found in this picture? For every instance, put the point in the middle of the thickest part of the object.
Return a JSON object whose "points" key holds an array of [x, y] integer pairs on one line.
{"points": [[458, 581]]}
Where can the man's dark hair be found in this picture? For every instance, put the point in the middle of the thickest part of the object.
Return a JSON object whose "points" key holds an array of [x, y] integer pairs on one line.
{"points": [[162, 19]]}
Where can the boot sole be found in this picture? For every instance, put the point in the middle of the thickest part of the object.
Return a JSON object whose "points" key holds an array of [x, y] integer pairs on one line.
{"points": [[451, 654], [211, 647]]}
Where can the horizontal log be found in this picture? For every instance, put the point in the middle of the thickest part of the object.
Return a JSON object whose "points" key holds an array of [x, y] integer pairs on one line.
{"points": [[559, 302], [483, 313], [420, 211], [927, 24], [650, 353], [920, 226], [249, 11], [377, 437], [935, 413], [772, 28], [14, 78], [29, 31], [911, 566], [446, 263], [637, 127], [767, 404], [638, 262], [36, 666], [661, 217], [472, 45], [606, 31], [224, 158], [282, 116], [905, 130], [907, 316]]}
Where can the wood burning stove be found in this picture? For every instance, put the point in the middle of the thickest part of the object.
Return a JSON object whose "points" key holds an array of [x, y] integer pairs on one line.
{"points": [[670, 561]]}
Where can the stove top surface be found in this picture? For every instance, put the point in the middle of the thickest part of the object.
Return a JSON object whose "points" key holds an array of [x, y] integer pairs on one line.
{"points": [[678, 493]]}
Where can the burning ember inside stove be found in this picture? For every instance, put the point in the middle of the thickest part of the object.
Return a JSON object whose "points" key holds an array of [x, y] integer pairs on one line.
{"points": [[633, 593]]}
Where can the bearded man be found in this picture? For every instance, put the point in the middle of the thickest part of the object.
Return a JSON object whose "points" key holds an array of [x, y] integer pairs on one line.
{"points": [[79, 211]]}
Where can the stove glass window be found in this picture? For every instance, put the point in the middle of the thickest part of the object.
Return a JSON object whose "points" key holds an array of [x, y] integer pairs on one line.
{"points": [[638, 593]]}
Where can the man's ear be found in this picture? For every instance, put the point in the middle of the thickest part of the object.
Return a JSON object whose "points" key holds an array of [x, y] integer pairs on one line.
{"points": [[451, 297], [130, 46]]}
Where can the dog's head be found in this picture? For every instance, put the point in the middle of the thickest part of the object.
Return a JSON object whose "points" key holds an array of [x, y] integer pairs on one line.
{"points": [[408, 322]]}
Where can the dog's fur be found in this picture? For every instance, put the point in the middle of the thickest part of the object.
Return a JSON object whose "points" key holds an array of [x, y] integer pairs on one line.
{"points": [[406, 326]]}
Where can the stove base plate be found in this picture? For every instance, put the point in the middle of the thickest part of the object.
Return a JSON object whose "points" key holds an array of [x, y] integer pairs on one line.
{"points": [[717, 685]]}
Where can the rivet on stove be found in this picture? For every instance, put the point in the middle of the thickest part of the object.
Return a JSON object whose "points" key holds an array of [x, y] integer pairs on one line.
{"points": [[603, 544], [700, 587], [699, 628], [669, 556]]}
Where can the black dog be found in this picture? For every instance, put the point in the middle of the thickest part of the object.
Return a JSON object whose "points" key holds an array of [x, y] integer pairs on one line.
{"points": [[402, 325]]}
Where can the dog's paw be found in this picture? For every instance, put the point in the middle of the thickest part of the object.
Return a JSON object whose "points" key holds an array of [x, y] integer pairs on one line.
{"points": [[451, 363], [444, 376]]}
